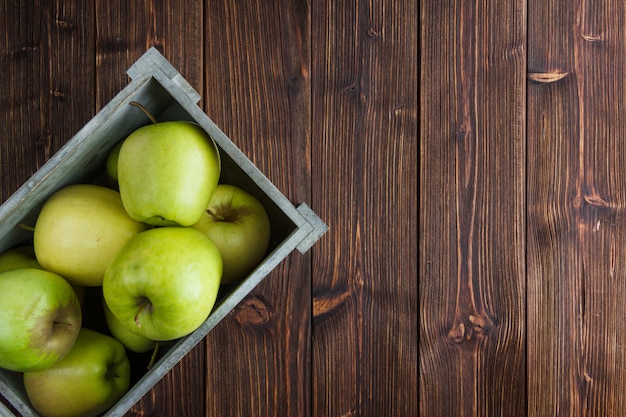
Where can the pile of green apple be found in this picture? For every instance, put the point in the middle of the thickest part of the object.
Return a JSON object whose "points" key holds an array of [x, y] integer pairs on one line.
{"points": [[158, 242]]}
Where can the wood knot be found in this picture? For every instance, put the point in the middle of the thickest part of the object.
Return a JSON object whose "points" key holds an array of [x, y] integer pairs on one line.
{"points": [[456, 335], [476, 325], [481, 324], [373, 33], [328, 304], [63, 24], [253, 311], [594, 200], [547, 77], [593, 38], [57, 94]]}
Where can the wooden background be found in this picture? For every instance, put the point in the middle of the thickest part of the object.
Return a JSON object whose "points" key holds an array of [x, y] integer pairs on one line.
{"points": [[522, 197], [322, 97]]}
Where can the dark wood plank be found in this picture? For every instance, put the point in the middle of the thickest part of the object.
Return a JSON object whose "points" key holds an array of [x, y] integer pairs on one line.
{"points": [[364, 147], [21, 85], [125, 30], [576, 197], [472, 214], [258, 91], [47, 83]]}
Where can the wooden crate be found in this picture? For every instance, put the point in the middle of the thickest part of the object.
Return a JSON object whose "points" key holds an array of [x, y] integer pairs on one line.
{"points": [[157, 85]]}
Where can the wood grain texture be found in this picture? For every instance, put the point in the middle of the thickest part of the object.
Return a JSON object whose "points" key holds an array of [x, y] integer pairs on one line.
{"points": [[49, 83], [364, 145], [576, 183], [323, 99], [258, 91], [472, 213], [126, 29]]}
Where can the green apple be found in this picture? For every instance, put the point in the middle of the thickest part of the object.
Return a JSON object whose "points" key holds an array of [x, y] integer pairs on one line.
{"points": [[163, 284], [111, 164], [79, 231], [24, 257], [40, 317], [239, 226], [130, 340], [91, 378], [18, 257], [167, 173]]}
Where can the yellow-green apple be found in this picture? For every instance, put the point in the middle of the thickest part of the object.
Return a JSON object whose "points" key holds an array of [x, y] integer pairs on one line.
{"points": [[130, 340], [167, 173], [40, 317], [91, 378], [111, 164], [163, 284], [239, 226], [24, 257], [79, 231], [19, 257]]}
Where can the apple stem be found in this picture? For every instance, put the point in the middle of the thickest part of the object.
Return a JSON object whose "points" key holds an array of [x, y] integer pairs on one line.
{"points": [[154, 355], [215, 215], [68, 326], [143, 109], [26, 227], [142, 307]]}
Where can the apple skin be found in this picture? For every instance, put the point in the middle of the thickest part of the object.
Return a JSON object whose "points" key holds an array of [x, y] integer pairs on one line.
{"points": [[163, 284], [167, 173], [79, 231], [130, 340], [18, 257], [24, 257], [40, 317], [91, 378], [239, 226], [111, 164]]}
